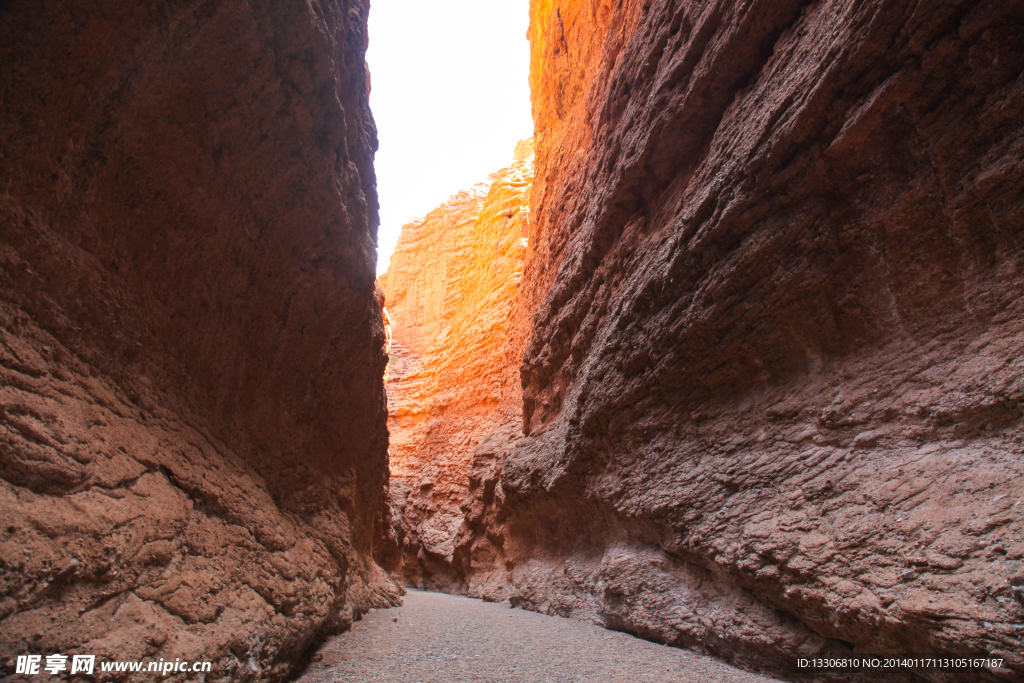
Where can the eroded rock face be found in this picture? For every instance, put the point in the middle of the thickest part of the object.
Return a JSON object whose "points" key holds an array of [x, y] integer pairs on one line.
{"points": [[192, 414], [453, 378], [773, 388]]}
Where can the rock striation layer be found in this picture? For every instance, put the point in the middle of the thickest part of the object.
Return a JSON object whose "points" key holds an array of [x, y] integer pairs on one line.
{"points": [[453, 377], [772, 393], [192, 417]]}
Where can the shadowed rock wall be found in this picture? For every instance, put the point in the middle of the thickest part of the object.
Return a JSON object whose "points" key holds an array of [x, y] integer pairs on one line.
{"points": [[192, 415], [773, 389]]}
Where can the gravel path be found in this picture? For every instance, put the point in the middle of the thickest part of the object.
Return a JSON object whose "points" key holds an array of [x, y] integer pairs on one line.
{"points": [[439, 638]]}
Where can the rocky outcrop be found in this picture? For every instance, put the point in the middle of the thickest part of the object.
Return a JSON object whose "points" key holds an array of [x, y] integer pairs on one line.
{"points": [[773, 389], [192, 417], [453, 377]]}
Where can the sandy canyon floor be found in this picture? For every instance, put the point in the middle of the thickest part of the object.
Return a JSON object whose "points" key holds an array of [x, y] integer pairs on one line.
{"points": [[442, 638]]}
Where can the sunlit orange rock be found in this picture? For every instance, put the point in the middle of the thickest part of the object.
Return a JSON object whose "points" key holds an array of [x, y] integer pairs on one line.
{"points": [[454, 369], [774, 294]]}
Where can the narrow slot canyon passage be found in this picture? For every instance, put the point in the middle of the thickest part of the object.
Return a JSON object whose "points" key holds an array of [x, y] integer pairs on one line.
{"points": [[689, 366], [708, 366]]}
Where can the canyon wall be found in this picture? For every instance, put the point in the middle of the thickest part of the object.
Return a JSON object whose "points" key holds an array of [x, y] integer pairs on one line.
{"points": [[772, 391], [192, 413], [453, 384]]}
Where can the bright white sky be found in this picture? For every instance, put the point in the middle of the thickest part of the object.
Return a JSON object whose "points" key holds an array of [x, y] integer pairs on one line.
{"points": [[451, 97]]}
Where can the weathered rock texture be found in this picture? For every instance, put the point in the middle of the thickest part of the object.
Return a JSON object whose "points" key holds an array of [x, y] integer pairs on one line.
{"points": [[454, 372], [773, 388], [192, 416]]}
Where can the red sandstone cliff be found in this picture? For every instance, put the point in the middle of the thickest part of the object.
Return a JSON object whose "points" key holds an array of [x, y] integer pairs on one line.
{"points": [[454, 381], [773, 386], [192, 417]]}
